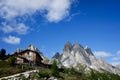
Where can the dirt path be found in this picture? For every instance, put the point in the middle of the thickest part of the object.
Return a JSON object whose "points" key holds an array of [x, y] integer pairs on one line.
{"points": [[12, 76]]}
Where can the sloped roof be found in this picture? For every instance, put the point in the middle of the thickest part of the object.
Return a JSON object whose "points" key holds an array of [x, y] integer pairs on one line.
{"points": [[38, 54]]}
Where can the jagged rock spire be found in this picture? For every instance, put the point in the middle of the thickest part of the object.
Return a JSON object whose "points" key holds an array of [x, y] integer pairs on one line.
{"points": [[18, 50], [68, 46], [88, 50], [32, 47], [57, 56]]}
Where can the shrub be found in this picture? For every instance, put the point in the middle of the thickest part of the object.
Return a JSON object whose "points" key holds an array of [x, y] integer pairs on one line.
{"points": [[43, 74], [103, 76], [12, 60]]}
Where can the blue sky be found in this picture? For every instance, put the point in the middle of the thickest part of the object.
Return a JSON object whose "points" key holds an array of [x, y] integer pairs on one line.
{"points": [[49, 25]]}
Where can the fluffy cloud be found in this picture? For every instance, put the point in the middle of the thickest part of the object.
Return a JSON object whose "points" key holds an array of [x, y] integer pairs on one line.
{"points": [[118, 52], [6, 28], [19, 28], [55, 10], [117, 56], [12, 10], [114, 59], [12, 40], [102, 54]]}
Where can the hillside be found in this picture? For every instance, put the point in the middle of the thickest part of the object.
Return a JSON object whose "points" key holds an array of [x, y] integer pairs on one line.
{"points": [[75, 63]]}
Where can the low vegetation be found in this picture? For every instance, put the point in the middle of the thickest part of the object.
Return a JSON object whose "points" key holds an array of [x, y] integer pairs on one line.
{"points": [[94, 75], [7, 69], [44, 73], [54, 69]]}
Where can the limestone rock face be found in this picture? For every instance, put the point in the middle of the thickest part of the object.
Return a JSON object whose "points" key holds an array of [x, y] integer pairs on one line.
{"points": [[32, 47], [75, 54], [118, 66], [18, 50]]}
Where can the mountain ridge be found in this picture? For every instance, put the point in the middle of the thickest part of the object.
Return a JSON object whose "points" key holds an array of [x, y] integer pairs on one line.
{"points": [[76, 54]]}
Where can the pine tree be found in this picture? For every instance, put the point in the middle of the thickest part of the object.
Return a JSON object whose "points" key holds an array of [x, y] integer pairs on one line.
{"points": [[55, 71], [2, 53]]}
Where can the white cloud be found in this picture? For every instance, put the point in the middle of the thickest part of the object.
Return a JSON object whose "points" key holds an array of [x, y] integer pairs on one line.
{"points": [[55, 10], [102, 54], [7, 28], [12, 40], [116, 58], [19, 28], [58, 9], [118, 52]]}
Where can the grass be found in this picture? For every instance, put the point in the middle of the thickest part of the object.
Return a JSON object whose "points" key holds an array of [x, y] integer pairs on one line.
{"points": [[7, 70], [43, 74]]}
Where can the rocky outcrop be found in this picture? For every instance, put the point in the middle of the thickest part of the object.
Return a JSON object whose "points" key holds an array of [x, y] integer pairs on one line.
{"points": [[118, 66], [75, 54], [57, 56], [18, 50], [33, 48]]}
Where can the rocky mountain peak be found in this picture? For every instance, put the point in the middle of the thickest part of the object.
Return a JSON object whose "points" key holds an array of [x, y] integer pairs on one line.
{"points": [[32, 47], [86, 47], [18, 50], [77, 55], [57, 56], [68, 47], [88, 50], [77, 47]]}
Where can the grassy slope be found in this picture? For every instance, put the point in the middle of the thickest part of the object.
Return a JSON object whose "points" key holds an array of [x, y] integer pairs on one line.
{"points": [[66, 74]]}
